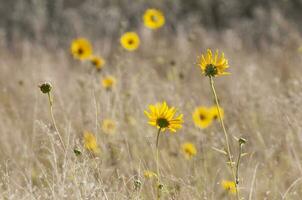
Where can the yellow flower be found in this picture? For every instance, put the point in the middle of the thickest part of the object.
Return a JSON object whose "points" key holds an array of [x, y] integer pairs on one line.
{"points": [[229, 186], [81, 49], [97, 61], [162, 117], [202, 117], [153, 18], [90, 142], [213, 65], [189, 150], [108, 82], [214, 112], [108, 126], [130, 41], [149, 174]]}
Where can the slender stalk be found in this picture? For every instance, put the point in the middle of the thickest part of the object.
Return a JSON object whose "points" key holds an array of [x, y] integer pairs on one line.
{"points": [[157, 163], [237, 164], [226, 136], [50, 99]]}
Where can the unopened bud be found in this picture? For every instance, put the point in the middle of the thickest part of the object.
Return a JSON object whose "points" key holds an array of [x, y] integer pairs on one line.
{"points": [[77, 152], [45, 87], [242, 141], [137, 184]]}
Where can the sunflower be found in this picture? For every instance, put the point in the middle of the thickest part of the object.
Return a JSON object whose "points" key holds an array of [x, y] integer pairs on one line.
{"points": [[153, 18], [108, 126], [90, 142], [163, 118], [108, 82], [229, 186], [189, 150], [98, 62], [214, 112], [149, 174], [213, 65], [81, 49], [202, 117], [130, 41]]}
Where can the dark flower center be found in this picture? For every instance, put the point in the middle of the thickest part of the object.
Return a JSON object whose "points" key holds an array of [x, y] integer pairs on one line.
{"points": [[162, 122], [154, 18], [211, 70], [202, 117], [187, 150], [80, 51], [130, 41]]}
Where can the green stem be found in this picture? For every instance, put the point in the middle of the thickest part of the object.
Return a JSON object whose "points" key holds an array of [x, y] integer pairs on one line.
{"points": [[225, 135], [157, 163], [50, 99]]}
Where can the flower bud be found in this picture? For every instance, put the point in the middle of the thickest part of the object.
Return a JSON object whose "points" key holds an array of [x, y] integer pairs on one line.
{"points": [[160, 186], [242, 141], [77, 152], [137, 184], [45, 87]]}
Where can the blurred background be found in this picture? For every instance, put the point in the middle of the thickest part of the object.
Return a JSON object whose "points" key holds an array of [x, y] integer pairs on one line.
{"points": [[258, 23]]}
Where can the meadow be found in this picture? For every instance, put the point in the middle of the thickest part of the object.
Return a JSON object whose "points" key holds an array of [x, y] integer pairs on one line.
{"points": [[76, 120]]}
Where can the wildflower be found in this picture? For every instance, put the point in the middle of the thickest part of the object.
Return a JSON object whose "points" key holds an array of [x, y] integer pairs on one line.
{"points": [[202, 117], [108, 126], [213, 65], [189, 150], [162, 117], [130, 41], [149, 174], [108, 82], [229, 186], [81, 49], [153, 18], [90, 142], [214, 112], [98, 62]]}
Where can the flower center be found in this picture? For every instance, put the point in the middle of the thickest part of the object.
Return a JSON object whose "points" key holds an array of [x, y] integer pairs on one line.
{"points": [[162, 122], [110, 126], [188, 151], [80, 51], [154, 18], [202, 117], [130, 42], [211, 70]]}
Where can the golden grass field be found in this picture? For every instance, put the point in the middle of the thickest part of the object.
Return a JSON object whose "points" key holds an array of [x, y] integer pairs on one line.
{"points": [[261, 98]]}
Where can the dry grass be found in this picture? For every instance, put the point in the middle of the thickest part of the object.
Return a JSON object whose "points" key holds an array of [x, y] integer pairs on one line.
{"points": [[262, 100]]}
